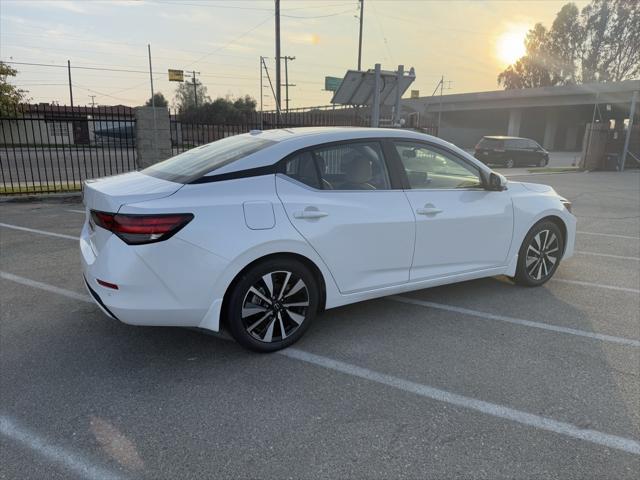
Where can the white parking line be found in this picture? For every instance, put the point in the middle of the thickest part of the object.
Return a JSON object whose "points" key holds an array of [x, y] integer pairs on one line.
{"points": [[45, 286], [59, 455], [629, 237], [607, 255], [517, 321], [75, 211], [597, 285], [495, 410], [39, 232]]}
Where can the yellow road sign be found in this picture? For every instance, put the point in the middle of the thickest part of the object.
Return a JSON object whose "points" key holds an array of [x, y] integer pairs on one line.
{"points": [[176, 75]]}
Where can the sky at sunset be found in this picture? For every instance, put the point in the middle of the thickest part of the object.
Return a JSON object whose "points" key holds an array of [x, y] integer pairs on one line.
{"points": [[469, 42]]}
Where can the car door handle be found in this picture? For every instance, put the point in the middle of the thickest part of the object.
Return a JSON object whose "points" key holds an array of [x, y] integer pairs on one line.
{"points": [[310, 214], [428, 211]]}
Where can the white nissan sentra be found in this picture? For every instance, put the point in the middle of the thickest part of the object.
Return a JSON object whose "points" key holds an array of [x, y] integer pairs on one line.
{"points": [[259, 232]]}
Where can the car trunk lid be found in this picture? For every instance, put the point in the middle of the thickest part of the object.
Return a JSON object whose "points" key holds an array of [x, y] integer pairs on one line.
{"points": [[111, 193]]}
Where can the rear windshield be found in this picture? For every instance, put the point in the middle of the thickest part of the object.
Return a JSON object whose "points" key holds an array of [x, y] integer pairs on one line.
{"points": [[490, 143], [197, 162]]}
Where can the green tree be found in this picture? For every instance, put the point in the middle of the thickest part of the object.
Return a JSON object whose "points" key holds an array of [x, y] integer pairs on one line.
{"points": [[10, 95], [601, 43], [534, 69], [612, 40], [158, 99], [185, 96], [221, 110]]}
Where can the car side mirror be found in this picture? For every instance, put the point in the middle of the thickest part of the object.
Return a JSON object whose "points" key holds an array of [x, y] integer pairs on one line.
{"points": [[497, 182]]}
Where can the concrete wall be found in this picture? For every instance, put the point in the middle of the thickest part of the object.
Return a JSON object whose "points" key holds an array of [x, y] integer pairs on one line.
{"points": [[153, 135]]}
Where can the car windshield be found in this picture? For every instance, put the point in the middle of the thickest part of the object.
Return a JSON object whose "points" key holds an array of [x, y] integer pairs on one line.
{"points": [[193, 164]]}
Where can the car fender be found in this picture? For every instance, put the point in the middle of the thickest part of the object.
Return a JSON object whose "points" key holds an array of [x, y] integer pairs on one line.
{"points": [[211, 320], [529, 208]]}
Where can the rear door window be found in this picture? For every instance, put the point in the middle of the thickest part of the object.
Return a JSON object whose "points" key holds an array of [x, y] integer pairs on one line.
{"points": [[352, 166], [197, 162], [302, 168]]}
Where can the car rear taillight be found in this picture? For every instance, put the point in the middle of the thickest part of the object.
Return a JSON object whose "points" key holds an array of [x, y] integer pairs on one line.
{"points": [[140, 229]]}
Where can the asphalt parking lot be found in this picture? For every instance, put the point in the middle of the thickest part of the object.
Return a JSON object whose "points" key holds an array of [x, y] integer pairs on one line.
{"points": [[482, 379]]}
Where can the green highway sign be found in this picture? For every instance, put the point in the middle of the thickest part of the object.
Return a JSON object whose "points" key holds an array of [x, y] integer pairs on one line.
{"points": [[332, 83]]}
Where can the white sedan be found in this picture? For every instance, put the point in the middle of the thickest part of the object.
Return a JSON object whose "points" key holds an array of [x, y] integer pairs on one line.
{"points": [[259, 232]]}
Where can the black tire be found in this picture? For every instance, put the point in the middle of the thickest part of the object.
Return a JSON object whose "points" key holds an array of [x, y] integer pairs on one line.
{"points": [[543, 162], [262, 331], [534, 269], [510, 163]]}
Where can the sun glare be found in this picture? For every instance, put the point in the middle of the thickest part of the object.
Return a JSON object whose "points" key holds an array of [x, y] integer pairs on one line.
{"points": [[510, 45]]}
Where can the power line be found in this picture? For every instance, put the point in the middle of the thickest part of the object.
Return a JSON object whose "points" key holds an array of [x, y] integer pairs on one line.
{"points": [[105, 69], [233, 40]]}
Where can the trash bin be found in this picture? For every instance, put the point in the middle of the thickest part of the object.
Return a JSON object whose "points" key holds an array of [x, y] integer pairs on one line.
{"points": [[611, 162]]}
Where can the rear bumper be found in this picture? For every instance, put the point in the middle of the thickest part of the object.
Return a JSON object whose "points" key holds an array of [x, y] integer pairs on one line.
{"points": [[170, 283]]}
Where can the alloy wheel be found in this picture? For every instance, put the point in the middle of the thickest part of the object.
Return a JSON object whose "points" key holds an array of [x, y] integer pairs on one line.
{"points": [[275, 306], [542, 163], [542, 255], [510, 163]]}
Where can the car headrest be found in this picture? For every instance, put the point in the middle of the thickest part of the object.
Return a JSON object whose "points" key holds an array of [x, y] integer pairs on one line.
{"points": [[359, 169]]}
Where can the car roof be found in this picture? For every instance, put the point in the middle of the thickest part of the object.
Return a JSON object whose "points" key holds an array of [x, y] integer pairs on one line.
{"points": [[504, 137], [289, 140]]}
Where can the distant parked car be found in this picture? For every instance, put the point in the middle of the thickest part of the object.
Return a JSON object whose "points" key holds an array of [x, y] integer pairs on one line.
{"points": [[511, 152]]}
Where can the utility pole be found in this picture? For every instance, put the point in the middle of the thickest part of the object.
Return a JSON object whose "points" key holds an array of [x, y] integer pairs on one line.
{"points": [[278, 80], [93, 101], [153, 105], [70, 89], [441, 86], [286, 81], [195, 85], [360, 38], [440, 109], [153, 102], [261, 87]]}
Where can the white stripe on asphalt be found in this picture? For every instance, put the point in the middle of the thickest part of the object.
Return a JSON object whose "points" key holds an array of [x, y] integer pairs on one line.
{"points": [[597, 285], [607, 255], [59, 455], [629, 237], [75, 211], [517, 321], [536, 421], [45, 286], [542, 423], [39, 232]]}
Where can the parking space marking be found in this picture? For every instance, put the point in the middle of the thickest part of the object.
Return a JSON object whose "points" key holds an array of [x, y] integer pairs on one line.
{"points": [[45, 286], [75, 211], [517, 321], [495, 410], [492, 409], [596, 285], [39, 232], [53, 453], [628, 237], [607, 255]]}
